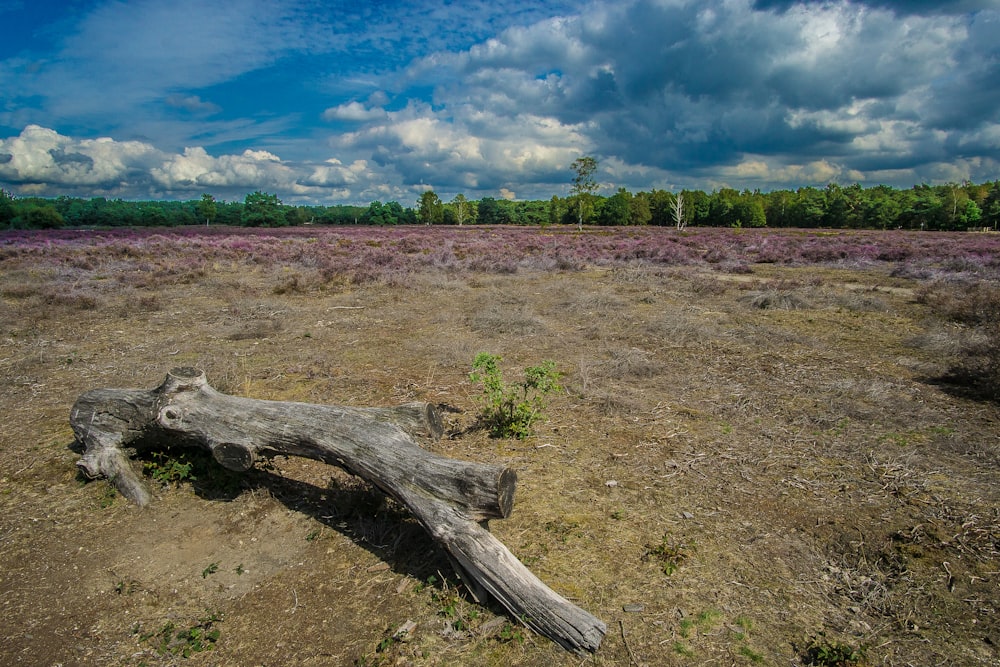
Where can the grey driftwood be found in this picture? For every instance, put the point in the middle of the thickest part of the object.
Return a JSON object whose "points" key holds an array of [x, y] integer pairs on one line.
{"points": [[452, 499]]}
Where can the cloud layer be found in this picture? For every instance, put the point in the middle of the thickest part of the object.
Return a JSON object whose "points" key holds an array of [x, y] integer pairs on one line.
{"points": [[325, 103]]}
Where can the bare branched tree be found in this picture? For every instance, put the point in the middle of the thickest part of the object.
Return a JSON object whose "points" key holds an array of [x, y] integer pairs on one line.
{"points": [[677, 206]]}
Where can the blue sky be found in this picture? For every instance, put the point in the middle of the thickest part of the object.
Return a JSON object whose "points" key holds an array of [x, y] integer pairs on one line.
{"points": [[349, 102]]}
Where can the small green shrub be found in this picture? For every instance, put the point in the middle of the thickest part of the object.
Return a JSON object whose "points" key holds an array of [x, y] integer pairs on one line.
{"points": [[822, 652], [169, 469], [173, 467], [106, 496], [201, 636], [511, 633], [510, 410], [669, 552]]}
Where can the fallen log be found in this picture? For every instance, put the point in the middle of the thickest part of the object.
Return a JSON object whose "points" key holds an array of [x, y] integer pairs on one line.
{"points": [[452, 499]]}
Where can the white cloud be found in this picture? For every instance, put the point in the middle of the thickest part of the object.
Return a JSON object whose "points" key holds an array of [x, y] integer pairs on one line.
{"points": [[755, 169], [467, 147], [43, 162], [334, 174], [197, 169], [192, 104], [354, 111], [41, 155]]}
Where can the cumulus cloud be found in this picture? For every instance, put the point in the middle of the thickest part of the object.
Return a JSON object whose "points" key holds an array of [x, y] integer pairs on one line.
{"points": [[467, 148], [754, 170], [197, 169], [42, 156], [40, 161], [353, 111], [333, 173]]}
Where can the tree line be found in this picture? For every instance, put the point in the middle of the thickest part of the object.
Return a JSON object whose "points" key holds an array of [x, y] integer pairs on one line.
{"points": [[933, 207]]}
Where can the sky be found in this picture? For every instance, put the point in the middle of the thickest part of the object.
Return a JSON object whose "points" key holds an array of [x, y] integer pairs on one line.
{"points": [[350, 102]]}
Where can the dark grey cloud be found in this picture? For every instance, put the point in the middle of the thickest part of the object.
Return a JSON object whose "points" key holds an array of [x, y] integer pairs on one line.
{"points": [[682, 87], [900, 7]]}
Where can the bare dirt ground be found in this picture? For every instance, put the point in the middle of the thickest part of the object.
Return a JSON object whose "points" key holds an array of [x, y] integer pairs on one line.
{"points": [[740, 469]]}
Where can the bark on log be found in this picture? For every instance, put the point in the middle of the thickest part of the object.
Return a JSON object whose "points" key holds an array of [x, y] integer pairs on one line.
{"points": [[452, 499]]}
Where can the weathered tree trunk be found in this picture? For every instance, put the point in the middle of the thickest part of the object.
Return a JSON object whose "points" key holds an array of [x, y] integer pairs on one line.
{"points": [[452, 499]]}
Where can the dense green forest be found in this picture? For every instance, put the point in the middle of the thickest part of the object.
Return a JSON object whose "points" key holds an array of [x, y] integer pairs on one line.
{"points": [[938, 207]]}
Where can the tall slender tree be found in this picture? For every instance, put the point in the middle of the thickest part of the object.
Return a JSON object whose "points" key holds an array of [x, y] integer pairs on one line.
{"points": [[461, 205], [584, 185], [207, 209], [677, 208]]}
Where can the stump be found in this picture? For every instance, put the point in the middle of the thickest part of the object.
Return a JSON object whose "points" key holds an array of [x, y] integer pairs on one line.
{"points": [[452, 499]]}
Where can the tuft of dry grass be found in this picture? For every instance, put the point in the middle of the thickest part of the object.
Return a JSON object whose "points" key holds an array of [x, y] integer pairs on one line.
{"points": [[975, 308], [776, 299]]}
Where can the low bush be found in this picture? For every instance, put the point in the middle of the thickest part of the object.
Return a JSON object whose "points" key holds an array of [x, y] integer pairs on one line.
{"points": [[977, 307], [510, 410]]}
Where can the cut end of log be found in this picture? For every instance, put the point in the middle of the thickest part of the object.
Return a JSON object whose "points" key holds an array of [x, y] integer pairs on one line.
{"points": [[434, 422], [506, 486], [183, 378], [234, 456]]}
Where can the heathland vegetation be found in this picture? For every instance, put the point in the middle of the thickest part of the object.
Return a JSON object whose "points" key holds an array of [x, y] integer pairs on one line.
{"points": [[939, 207], [773, 446]]}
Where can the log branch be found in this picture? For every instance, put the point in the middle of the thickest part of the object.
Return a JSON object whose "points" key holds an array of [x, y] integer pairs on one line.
{"points": [[452, 499]]}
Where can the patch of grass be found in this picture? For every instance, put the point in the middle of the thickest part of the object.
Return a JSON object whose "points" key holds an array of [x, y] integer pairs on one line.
{"points": [[563, 529], [451, 606], [126, 587], [511, 633], [211, 569], [683, 649], [745, 624], [630, 362], [387, 650], [708, 617], [669, 552]]}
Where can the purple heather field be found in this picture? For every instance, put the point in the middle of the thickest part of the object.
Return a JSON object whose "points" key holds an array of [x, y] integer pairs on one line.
{"points": [[365, 254]]}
